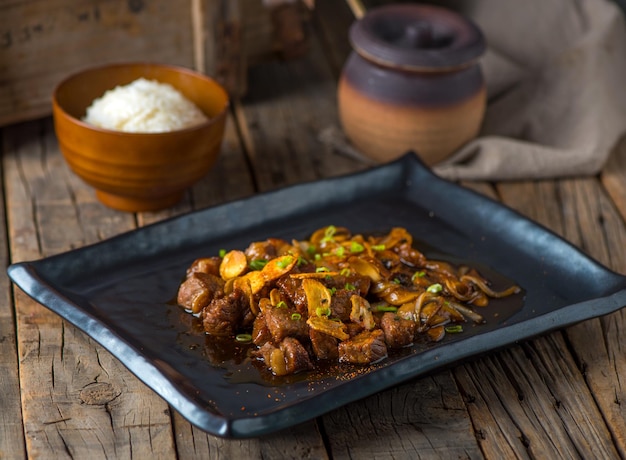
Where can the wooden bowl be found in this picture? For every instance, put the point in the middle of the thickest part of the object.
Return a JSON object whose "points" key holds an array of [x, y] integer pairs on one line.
{"points": [[138, 171]]}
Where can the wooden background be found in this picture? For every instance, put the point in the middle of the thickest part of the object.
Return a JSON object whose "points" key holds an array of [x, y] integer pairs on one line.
{"points": [[63, 396], [43, 41]]}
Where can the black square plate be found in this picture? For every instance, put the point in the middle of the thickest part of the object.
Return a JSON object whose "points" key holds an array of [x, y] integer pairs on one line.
{"points": [[120, 291]]}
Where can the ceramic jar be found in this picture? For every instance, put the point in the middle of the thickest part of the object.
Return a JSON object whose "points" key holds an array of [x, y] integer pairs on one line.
{"points": [[412, 82]]}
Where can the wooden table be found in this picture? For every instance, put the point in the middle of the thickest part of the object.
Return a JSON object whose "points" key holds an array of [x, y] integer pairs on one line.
{"points": [[62, 395]]}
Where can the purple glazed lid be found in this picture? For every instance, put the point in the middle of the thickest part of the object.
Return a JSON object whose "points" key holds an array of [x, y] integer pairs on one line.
{"points": [[417, 37]]}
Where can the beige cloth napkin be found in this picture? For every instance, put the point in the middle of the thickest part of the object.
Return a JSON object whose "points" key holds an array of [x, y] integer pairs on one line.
{"points": [[556, 81]]}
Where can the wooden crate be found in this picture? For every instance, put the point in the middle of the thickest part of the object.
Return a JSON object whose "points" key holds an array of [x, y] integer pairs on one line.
{"points": [[43, 41]]}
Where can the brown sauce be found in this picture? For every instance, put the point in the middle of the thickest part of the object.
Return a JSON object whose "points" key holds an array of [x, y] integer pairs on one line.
{"points": [[239, 366]]}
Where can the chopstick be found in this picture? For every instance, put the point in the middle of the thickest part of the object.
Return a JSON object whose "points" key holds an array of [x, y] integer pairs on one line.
{"points": [[357, 8]]}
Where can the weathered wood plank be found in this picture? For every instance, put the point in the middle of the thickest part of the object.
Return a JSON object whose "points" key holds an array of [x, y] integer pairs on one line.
{"points": [[288, 105], [11, 426], [576, 428], [67, 202], [529, 401], [599, 344], [45, 40], [542, 392], [579, 210], [299, 442], [599, 348], [423, 418], [77, 400], [496, 439], [332, 21], [614, 177]]}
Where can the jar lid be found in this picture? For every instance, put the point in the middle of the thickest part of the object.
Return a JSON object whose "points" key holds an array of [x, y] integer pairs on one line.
{"points": [[417, 37]]}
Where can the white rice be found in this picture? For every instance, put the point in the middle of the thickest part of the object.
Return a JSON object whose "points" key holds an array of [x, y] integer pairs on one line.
{"points": [[144, 106]]}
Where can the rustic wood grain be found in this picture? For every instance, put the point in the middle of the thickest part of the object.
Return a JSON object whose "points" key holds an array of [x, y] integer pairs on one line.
{"points": [[288, 105], [496, 439], [45, 40], [598, 343], [580, 210], [332, 20], [59, 366], [515, 385], [423, 418], [299, 442], [614, 177], [593, 219], [556, 396], [11, 427]]}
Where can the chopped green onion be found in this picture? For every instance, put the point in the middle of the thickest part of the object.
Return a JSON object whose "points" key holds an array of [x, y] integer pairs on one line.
{"points": [[333, 290], [349, 287], [384, 307], [340, 251], [243, 338], [284, 263], [318, 256], [329, 233], [281, 304], [301, 261], [311, 249], [434, 288], [356, 247], [378, 247], [222, 253], [418, 275], [454, 329], [296, 316], [397, 281], [257, 264], [345, 272], [321, 270], [322, 311]]}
